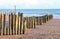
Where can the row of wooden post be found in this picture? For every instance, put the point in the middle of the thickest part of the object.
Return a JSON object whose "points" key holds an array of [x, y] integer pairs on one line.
{"points": [[30, 22], [37, 20], [17, 24]]}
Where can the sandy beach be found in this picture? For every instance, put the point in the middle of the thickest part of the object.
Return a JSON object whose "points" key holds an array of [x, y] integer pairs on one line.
{"points": [[49, 30]]}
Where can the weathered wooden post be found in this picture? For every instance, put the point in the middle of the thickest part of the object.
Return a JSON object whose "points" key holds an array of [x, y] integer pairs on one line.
{"points": [[4, 24], [27, 22], [14, 24], [1, 24], [10, 30], [40, 18], [30, 22], [21, 22], [36, 20], [9, 24], [47, 17], [33, 22], [44, 19], [24, 26]]}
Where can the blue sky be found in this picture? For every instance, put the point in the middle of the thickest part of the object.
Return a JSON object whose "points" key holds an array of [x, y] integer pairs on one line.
{"points": [[30, 4]]}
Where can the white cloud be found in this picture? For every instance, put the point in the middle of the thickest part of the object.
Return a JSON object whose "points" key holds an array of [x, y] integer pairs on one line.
{"points": [[30, 3]]}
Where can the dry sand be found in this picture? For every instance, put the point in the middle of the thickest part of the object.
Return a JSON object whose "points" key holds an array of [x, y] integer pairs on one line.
{"points": [[49, 30]]}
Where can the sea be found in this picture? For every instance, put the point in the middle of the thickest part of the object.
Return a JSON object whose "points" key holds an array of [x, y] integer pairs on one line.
{"points": [[35, 12]]}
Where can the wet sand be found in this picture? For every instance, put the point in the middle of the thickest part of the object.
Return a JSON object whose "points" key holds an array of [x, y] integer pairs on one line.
{"points": [[49, 30]]}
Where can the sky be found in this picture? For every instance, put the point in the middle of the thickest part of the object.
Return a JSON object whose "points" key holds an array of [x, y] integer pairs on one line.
{"points": [[30, 4]]}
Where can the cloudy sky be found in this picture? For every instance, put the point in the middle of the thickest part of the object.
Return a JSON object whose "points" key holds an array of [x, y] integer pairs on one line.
{"points": [[30, 4]]}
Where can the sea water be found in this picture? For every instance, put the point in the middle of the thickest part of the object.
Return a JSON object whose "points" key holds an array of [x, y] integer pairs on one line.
{"points": [[35, 12]]}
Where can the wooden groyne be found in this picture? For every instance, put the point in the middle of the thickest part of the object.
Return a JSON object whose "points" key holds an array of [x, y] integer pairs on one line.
{"points": [[37, 20], [18, 23]]}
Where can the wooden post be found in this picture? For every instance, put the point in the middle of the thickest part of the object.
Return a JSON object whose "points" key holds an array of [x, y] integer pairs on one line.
{"points": [[28, 23], [44, 19], [34, 26], [16, 23], [32, 21], [4, 24], [47, 17], [36, 20], [1, 24], [40, 20], [21, 22], [10, 30], [19, 19], [12, 23], [24, 26]]}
